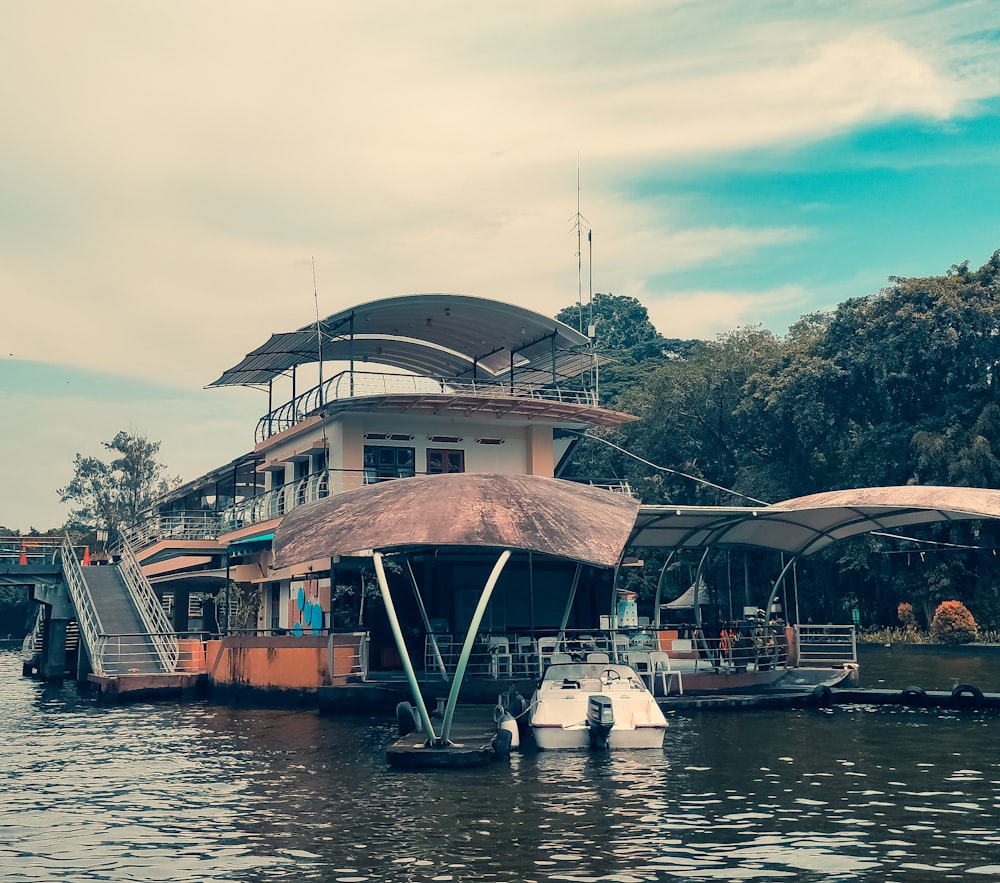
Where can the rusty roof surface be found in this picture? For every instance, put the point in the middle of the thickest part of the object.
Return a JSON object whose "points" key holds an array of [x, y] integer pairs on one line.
{"points": [[521, 512]]}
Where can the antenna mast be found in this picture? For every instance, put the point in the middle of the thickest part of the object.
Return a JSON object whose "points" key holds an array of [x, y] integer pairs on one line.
{"points": [[579, 222], [319, 332]]}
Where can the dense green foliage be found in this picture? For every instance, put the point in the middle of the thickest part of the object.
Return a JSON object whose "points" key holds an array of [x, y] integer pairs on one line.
{"points": [[898, 387]]}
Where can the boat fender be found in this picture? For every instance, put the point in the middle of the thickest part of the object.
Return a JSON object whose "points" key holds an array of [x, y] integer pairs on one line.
{"points": [[822, 696], [502, 743], [406, 718], [914, 697], [966, 696], [517, 704], [509, 725]]}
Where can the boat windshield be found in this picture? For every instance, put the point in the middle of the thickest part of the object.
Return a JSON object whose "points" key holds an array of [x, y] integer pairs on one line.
{"points": [[587, 671]]}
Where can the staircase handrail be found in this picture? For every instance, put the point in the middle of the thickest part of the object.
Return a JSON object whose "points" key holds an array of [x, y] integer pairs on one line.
{"points": [[30, 639], [151, 612], [79, 593]]}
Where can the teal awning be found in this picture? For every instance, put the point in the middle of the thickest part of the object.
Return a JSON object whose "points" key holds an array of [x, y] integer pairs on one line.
{"points": [[249, 541]]}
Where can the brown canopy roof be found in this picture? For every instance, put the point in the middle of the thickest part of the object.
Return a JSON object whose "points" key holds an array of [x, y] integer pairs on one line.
{"points": [[521, 512], [805, 525]]}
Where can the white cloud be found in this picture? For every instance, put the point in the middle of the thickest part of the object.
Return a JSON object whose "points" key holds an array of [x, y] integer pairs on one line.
{"points": [[169, 171], [703, 315]]}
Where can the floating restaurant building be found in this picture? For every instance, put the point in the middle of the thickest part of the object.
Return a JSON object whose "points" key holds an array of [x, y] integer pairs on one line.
{"points": [[403, 517], [426, 387]]}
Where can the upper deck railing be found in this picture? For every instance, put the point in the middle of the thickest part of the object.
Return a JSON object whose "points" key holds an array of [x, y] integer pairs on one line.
{"points": [[352, 384]]}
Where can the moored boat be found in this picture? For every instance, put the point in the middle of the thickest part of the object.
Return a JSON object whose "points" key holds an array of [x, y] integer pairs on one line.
{"points": [[595, 705]]}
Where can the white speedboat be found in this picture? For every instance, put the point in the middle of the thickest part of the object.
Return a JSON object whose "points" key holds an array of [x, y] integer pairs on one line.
{"points": [[595, 705]]}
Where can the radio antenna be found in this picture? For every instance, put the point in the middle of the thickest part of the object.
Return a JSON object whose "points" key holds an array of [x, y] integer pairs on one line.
{"points": [[579, 222], [319, 332]]}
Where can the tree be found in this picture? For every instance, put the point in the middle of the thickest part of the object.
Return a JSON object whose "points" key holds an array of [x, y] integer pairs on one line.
{"points": [[112, 494], [621, 322]]}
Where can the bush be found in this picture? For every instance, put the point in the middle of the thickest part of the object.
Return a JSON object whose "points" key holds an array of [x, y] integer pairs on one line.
{"points": [[906, 616], [953, 624]]}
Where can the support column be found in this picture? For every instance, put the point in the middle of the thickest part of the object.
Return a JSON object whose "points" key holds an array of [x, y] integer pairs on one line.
{"points": [[58, 612], [470, 637], [53, 663], [83, 666], [397, 633]]}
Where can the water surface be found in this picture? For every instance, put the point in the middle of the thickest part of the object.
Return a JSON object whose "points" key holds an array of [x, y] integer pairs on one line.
{"points": [[193, 792]]}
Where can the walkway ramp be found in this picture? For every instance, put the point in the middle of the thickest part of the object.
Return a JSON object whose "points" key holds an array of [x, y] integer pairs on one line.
{"points": [[121, 620], [125, 645]]}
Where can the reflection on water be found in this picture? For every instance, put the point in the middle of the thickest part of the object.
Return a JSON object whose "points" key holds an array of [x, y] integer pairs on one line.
{"points": [[929, 667], [199, 792]]}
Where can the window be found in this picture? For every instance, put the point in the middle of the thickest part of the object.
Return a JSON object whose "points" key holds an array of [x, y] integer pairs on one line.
{"points": [[275, 607], [440, 461], [383, 462]]}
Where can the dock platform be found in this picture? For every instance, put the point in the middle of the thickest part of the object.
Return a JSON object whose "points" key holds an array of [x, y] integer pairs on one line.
{"points": [[472, 743], [964, 697], [128, 688]]}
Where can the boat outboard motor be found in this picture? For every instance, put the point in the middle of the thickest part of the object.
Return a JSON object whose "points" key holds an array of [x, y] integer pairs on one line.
{"points": [[600, 720]]}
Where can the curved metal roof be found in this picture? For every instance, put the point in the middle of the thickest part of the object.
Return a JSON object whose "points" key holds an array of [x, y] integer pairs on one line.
{"points": [[522, 512], [804, 525], [435, 335]]}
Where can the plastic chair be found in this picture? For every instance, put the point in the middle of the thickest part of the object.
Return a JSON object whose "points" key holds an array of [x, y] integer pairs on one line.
{"points": [[560, 657], [619, 647], [443, 646], [660, 662], [546, 648], [524, 654], [500, 658], [639, 661], [598, 656]]}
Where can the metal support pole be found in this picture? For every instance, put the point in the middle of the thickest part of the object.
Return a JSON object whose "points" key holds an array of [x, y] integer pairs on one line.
{"points": [[697, 605], [350, 354], [397, 634], [659, 590], [614, 614], [774, 591], [569, 604], [438, 661], [470, 639]]}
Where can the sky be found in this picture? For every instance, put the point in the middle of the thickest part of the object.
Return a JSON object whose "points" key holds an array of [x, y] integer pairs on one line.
{"points": [[173, 175]]}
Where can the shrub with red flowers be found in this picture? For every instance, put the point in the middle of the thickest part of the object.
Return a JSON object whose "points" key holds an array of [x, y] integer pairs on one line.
{"points": [[953, 624], [907, 616]]}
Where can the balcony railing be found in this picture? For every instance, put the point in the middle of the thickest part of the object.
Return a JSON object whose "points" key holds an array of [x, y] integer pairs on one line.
{"points": [[279, 501], [186, 525], [352, 384]]}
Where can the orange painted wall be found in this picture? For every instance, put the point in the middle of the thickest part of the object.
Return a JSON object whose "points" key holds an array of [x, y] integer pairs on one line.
{"points": [[284, 662]]}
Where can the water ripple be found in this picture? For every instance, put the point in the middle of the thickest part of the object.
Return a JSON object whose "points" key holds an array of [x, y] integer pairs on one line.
{"points": [[195, 792]]}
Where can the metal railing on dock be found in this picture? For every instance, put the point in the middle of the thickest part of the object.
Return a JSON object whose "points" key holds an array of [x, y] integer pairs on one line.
{"points": [[822, 645], [160, 631], [86, 613]]}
